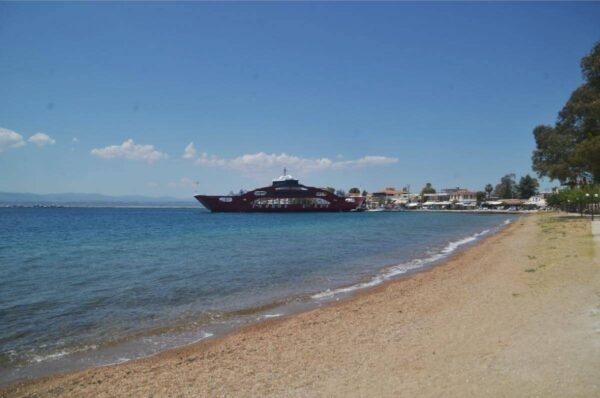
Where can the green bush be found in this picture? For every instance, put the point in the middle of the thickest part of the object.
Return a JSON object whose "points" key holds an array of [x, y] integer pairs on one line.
{"points": [[575, 199]]}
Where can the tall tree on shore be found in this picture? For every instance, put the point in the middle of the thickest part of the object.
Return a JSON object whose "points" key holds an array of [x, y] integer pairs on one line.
{"points": [[527, 187], [507, 188], [480, 196], [354, 190], [570, 150], [488, 190], [428, 188]]}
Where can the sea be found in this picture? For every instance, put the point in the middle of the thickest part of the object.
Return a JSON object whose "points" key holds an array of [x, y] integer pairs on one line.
{"points": [[83, 287]]}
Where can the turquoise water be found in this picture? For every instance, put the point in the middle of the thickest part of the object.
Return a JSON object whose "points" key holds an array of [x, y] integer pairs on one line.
{"points": [[89, 286]]}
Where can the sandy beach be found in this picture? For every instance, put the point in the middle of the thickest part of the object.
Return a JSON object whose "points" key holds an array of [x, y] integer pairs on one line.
{"points": [[515, 315]]}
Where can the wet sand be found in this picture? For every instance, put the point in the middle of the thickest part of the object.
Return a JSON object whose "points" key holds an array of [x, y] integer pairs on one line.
{"points": [[515, 315]]}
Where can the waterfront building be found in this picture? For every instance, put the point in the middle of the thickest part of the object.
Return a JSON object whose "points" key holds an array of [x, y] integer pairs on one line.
{"points": [[390, 197], [436, 201], [450, 198]]}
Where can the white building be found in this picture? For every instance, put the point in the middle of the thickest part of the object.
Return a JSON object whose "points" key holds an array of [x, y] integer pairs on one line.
{"points": [[538, 201], [458, 198]]}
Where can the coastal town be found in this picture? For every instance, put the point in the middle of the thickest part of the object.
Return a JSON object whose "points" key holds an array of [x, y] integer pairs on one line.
{"points": [[506, 196], [457, 199]]}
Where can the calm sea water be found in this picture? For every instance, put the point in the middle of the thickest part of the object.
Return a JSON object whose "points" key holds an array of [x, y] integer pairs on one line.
{"points": [[89, 286]]}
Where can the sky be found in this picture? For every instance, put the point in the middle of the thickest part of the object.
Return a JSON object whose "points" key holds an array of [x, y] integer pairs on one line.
{"points": [[173, 98]]}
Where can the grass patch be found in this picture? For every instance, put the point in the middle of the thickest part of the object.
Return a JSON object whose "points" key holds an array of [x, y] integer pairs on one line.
{"points": [[530, 270]]}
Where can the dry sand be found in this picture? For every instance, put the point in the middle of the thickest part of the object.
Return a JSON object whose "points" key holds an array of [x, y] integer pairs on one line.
{"points": [[516, 315]]}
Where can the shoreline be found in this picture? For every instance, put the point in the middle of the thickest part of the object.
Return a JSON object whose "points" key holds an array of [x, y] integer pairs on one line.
{"points": [[476, 211], [220, 349], [132, 348]]}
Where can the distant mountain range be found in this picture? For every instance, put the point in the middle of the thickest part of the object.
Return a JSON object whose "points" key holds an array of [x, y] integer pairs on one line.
{"points": [[14, 198]]}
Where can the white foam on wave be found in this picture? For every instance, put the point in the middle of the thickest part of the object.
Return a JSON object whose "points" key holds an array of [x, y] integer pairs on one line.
{"points": [[49, 357], [507, 221], [205, 335], [267, 316], [160, 342], [403, 268], [61, 353]]}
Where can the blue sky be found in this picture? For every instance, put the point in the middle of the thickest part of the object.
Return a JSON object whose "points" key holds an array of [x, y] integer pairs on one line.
{"points": [[106, 97]]}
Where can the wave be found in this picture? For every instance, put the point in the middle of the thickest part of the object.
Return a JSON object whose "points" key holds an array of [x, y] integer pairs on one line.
{"points": [[37, 358], [205, 335], [396, 270], [269, 316], [159, 342]]}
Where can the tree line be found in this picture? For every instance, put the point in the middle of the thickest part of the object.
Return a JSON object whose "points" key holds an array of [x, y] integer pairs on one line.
{"points": [[507, 188], [569, 151]]}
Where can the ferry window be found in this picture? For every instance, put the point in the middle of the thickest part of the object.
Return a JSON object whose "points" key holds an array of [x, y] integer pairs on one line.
{"points": [[291, 189], [304, 202], [225, 199]]}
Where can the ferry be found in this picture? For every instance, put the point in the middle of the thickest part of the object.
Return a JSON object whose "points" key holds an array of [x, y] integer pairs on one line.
{"points": [[285, 195]]}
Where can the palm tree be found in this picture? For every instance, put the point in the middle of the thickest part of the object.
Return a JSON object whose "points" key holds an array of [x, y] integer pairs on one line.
{"points": [[488, 190]]}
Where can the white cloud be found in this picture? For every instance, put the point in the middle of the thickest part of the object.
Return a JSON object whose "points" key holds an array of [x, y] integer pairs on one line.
{"points": [[41, 139], [130, 150], [190, 151], [262, 161], [75, 140], [365, 161], [152, 184], [10, 139]]}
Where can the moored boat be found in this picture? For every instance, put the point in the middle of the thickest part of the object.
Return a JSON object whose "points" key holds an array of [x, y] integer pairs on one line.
{"points": [[285, 194]]}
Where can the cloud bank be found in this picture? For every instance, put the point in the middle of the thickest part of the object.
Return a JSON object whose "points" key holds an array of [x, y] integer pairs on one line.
{"points": [[41, 139], [10, 139], [264, 161], [130, 150]]}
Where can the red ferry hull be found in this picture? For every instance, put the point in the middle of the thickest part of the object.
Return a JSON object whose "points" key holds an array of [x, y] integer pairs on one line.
{"points": [[276, 199], [286, 195], [237, 205]]}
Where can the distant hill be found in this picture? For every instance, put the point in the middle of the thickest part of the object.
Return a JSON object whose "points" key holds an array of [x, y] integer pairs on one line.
{"points": [[91, 199]]}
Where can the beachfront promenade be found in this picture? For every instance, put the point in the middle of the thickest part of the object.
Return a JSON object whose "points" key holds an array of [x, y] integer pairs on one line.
{"points": [[516, 315]]}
